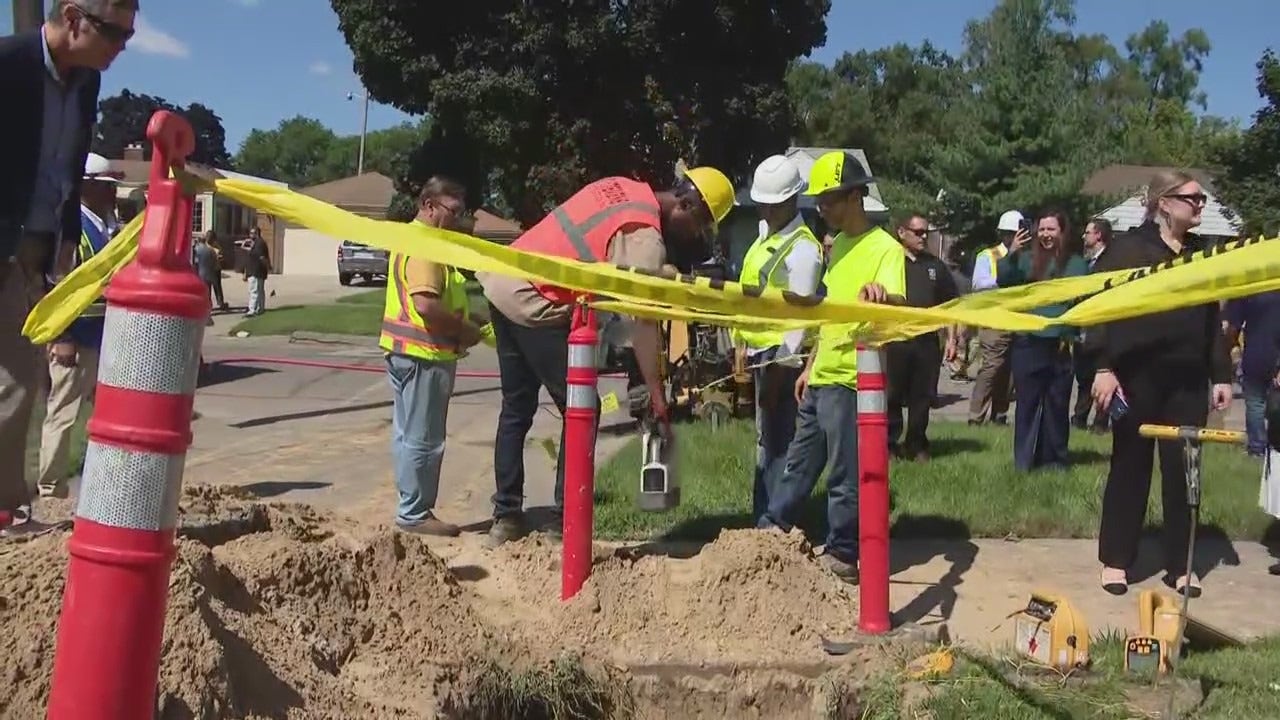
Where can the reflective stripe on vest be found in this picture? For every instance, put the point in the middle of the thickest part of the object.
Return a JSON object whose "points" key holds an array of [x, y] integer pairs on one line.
{"points": [[994, 253], [768, 254], [92, 240], [582, 227], [404, 331]]}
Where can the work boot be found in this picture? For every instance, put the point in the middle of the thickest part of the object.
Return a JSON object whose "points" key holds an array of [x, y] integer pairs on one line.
{"points": [[554, 528], [504, 530], [17, 521], [847, 572], [432, 525]]}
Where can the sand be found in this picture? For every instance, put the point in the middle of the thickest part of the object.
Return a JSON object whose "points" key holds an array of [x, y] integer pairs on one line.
{"points": [[281, 611]]}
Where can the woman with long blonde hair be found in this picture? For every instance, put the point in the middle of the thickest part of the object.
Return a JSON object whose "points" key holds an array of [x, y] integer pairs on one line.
{"points": [[1165, 368]]}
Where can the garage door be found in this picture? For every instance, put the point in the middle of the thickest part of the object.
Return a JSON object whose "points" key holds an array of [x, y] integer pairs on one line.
{"points": [[307, 252]]}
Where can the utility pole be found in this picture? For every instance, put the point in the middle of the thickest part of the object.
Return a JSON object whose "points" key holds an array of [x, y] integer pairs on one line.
{"points": [[364, 129], [27, 15]]}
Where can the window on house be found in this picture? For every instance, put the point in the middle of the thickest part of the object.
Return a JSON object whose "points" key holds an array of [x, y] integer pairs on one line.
{"points": [[197, 216]]}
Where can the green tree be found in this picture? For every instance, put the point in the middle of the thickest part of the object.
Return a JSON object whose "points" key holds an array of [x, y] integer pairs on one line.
{"points": [[1251, 166], [1169, 67], [551, 95], [297, 152], [123, 118], [1028, 136]]}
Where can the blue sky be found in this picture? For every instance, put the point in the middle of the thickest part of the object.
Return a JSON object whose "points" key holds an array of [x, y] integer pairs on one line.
{"points": [[256, 62]]}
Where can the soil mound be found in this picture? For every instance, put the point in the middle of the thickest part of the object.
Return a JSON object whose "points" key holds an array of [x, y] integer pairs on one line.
{"points": [[749, 597], [270, 614]]}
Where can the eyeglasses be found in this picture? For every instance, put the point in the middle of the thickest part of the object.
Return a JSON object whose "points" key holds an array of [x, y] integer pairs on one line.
{"points": [[110, 31], [1193, 198], [918, 232]]}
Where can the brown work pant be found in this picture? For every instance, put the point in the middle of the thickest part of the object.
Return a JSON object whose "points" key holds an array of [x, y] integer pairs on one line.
{"points": [[992, 385], [21, 367]]}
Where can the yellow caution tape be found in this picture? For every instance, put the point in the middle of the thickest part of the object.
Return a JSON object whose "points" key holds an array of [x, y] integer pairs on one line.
{"points": [[663, 295], [77, 291]]}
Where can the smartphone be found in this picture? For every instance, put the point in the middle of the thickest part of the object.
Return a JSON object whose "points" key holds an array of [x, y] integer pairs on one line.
{"points": [[1118, 408], [1025, 225]]}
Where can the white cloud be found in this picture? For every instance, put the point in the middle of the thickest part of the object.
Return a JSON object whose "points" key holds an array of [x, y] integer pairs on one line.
{"points": [[151, 40], [320, 67]]}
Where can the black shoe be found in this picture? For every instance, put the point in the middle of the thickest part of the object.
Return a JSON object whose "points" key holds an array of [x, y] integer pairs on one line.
{"points": [[999, 419]]}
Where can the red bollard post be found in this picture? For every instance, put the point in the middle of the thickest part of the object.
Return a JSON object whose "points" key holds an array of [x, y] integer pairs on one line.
{"points": [[873, 494], [107, 658], [581, 406]]}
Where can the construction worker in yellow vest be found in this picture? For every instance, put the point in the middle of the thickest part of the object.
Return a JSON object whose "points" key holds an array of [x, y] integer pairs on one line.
{"points": [[787, 256], [867, 264], [425, 327], [992, 386]]}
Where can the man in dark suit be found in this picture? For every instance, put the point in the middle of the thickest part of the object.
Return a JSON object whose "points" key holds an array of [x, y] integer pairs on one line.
{"points": [[50, 79]]}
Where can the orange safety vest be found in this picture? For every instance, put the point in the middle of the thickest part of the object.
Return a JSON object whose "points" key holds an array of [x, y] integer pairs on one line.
{"points": [[582, 227]]}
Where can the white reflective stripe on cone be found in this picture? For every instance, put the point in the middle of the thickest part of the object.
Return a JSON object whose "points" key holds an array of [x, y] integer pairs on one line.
{"points": [[150, 352], [581, 356], [129, 489], [581, 397], [869, 360], [872, 401]]}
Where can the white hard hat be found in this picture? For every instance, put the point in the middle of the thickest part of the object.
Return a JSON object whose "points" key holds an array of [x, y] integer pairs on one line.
{"points": [[1010, 221], [777, 180], [98, 168]]}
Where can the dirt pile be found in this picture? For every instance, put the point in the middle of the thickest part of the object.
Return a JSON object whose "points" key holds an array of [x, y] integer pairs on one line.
{"points": [[271, 614], [749, 597]]}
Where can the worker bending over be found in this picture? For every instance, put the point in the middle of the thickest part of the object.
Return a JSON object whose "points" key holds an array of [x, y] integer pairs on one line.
{"points": [[614, 220], [786, 256], [73, 358], [866, 264], [424, 329]]}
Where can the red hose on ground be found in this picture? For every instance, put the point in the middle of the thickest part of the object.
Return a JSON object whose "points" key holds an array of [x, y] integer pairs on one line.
{"points": [[354, 367]]}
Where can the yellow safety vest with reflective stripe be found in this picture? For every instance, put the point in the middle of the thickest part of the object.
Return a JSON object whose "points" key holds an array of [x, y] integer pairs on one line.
{"points": [[98, 308], [404, 331], [994, 253], [760, 269]]}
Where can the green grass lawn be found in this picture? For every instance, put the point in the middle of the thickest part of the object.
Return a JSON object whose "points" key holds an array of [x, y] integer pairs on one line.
{"points": [[354, 314], [970, 488], [1237, 683]]}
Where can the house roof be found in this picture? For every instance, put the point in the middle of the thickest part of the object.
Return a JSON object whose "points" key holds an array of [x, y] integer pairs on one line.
{"points": [[804, 157], [372, 192], [138, 172], [1132, 179]]}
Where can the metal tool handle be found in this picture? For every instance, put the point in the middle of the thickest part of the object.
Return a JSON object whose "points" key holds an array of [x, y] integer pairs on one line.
{"points": [[1186, 432]]}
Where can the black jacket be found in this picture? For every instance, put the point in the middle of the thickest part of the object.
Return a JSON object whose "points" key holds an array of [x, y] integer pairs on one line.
{"points": [[22, 78], [1189, 337]]}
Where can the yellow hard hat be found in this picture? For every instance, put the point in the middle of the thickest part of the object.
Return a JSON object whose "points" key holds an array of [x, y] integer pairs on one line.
{"points": [[837, 170], [715, 188]]}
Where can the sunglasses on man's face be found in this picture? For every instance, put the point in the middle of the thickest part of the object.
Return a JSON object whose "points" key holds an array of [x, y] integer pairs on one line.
{"points": [[111, 32]]}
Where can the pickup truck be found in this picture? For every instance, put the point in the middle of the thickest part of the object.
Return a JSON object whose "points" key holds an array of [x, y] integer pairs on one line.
{"points": [[356, 259]]}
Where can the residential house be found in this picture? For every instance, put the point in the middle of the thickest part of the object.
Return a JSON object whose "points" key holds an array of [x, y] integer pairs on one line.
{"points": [[741, 227], [1130, 182], [229, 220], [309, 252]]}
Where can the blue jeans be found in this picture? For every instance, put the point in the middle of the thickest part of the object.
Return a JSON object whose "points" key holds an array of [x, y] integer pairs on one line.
{"points": [[775, 427], [826, 434], [257, 295], [1042, 377], [1255, 414], [421, 390]]}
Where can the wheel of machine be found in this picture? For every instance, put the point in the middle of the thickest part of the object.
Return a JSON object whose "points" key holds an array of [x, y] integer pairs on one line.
{"points": [[716, 413]]}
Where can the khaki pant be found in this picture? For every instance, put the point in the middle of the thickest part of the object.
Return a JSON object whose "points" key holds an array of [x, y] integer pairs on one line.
{"points": [[69, 389], [992, 385], [21, 369]]}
